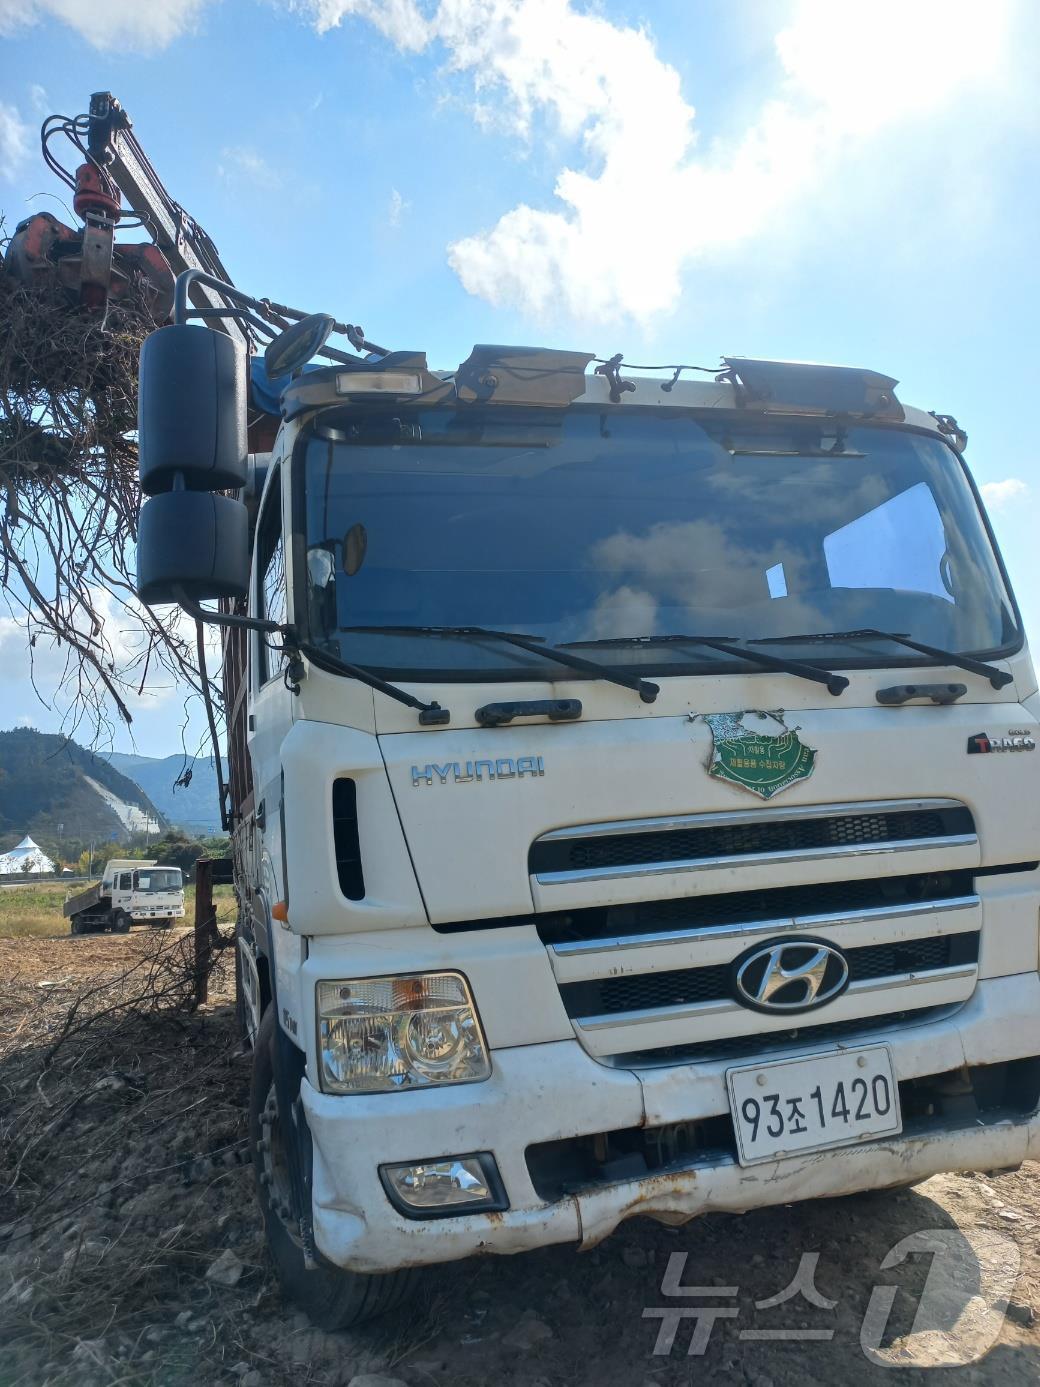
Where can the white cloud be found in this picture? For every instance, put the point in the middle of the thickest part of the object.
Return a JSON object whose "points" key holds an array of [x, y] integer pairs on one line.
{"points": [[242, 161], [649, 202], [120, 642], [12, 648], [14, 141], [14, 13], [144, 25], [397, 208], [999, 495], [401, 21], [41, 102], [645, 201]]}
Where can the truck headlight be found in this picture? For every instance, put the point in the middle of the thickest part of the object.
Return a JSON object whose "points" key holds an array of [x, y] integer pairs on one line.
{"points": [[377, 1035]]}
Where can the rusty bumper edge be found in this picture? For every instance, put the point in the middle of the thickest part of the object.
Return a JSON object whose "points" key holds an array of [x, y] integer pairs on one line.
{"points": [[384, 1242], [676, 1198]]}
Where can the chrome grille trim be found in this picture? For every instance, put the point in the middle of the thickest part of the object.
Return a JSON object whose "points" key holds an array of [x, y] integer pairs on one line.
{"points": [[958, 970], [772, 1044], [692, 1010], [757, 927], [704, 864], [731, 818]]}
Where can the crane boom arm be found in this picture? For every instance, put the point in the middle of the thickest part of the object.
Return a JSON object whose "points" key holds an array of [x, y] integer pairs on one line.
{"points": [[113, 145]]}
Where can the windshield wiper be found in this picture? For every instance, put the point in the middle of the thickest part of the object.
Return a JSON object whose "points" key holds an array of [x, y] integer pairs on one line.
{"points": [[535, 644], [430, 714], [997, 677], [729, 645]]}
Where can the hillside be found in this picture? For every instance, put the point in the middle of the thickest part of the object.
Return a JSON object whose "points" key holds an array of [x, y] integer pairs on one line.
{"points": [[194, 806], [62, 794]]}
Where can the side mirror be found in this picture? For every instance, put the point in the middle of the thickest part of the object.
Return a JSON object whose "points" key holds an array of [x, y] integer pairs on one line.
{"points": [[191, 411], [294, 347], [192, 542], [192, 428], [355, 547]]}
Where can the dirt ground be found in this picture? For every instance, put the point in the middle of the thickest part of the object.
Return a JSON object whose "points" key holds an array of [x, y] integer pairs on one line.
{"points": [[124, 1177]]}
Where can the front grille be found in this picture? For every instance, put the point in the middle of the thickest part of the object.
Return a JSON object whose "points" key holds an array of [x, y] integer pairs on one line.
{"points": [[754, 837], [772, 1042], [693, 913], [687, 986]]}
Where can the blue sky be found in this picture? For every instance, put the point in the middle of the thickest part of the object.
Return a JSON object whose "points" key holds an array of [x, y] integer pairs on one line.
{"points": [[818, 180]]}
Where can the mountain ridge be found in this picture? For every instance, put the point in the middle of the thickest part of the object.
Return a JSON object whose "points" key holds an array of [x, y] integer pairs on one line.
{"points": [[61, 794], [194, 806]]}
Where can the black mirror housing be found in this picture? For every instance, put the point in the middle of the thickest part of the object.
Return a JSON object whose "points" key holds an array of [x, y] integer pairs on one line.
{"points": [[191, 411], [292, 349], [195, 543]]}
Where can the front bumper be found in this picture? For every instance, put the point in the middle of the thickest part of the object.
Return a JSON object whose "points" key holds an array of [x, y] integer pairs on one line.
{"points": [[555, 1091]]}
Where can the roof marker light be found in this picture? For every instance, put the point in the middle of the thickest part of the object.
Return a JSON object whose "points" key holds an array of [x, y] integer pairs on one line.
{"points": [[378, 383]]}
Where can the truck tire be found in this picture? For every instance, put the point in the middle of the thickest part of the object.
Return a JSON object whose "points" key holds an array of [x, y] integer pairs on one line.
{"points": [[332, 1298], [121, 922]]}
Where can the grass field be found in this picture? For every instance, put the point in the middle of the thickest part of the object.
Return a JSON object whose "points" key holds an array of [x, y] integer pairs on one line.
{"points": [[35, 911]]}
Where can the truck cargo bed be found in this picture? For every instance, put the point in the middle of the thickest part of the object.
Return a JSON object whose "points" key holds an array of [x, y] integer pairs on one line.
{"points": [[83, 900]]}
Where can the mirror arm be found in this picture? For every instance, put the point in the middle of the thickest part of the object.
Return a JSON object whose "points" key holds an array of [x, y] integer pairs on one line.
{"points": [[243, 314], [181, 309], [241, 623], [430, 714]]}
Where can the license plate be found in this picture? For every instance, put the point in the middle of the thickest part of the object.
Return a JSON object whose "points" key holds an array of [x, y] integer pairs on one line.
{"points": [[837, 1098]]}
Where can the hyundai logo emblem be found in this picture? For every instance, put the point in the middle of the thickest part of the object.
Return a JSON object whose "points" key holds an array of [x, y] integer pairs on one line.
{"points": [[789, 975]]}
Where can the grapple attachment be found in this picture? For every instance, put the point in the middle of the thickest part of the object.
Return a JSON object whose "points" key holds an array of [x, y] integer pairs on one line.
{"points": [[92, 269]]}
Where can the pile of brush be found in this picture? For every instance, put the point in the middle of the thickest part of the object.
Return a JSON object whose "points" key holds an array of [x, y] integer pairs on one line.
{"points": [[68, 396], [69, 496]]}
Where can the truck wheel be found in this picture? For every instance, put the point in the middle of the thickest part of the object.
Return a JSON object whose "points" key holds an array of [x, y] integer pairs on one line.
{"points": [[77, 925], [121, 922], [332, 1297]]}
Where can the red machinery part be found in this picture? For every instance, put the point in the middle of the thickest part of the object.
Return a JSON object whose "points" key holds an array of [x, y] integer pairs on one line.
{"points": [[96, 194], [36, 247]]}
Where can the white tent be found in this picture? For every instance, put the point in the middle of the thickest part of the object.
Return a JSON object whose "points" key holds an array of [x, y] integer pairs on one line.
{"points": [[26, 857]]}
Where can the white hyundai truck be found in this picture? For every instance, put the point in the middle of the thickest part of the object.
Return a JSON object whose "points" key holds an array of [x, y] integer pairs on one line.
{"points": [[633, 790]]}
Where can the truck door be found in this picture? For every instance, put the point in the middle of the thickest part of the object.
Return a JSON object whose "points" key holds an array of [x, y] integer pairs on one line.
{"points": [[271, 702]]}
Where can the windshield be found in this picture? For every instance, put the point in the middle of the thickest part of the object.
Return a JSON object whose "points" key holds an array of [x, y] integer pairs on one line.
{"points": [[158, 879], [583, 526]]}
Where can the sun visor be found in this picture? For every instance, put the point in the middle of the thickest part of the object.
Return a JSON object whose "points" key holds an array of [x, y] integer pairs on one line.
{"points": [[522, 376], [803, 387]]}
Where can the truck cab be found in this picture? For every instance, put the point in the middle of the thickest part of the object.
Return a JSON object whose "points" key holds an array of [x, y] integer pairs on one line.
{"points": [[146, 891], [633, 798]]}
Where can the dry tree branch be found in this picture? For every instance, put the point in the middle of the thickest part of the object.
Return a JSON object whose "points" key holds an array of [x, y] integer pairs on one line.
{"points": [[69, 499]]}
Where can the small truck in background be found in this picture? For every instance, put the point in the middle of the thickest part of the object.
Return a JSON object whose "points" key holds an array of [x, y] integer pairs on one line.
{"points": [[130, 892]]}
